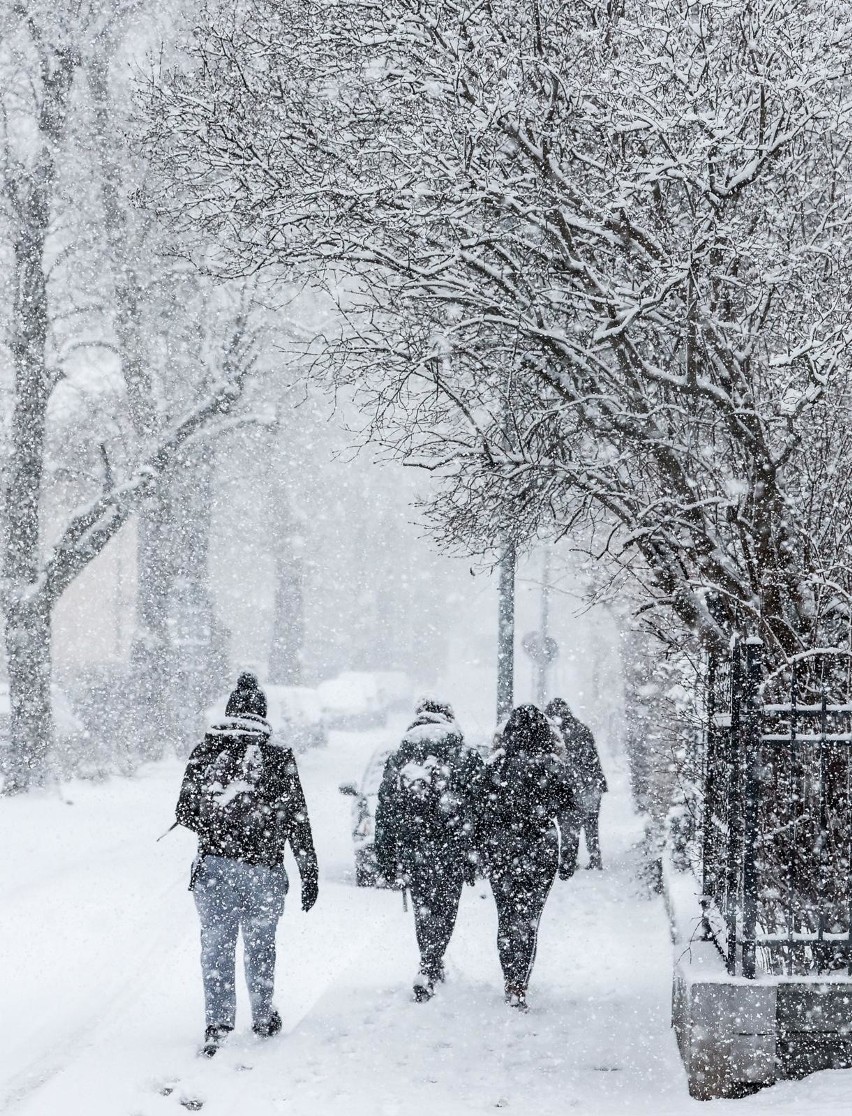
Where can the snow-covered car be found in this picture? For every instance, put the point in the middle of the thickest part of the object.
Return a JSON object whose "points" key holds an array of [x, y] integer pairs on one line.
{"points": [[69, 736], [396, 691], [295, 713], [364, 802], [353, 700]]}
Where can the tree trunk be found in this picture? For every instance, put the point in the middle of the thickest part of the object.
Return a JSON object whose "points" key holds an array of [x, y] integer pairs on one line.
{"points": [[199, 664], [285, 653], [288, 622], [28, 651], [149, 654], [27, 606]]}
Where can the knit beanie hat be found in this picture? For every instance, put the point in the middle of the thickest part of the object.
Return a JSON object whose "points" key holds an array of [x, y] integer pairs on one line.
{"points": [[430, 705], [559, 709], [247, 698]]}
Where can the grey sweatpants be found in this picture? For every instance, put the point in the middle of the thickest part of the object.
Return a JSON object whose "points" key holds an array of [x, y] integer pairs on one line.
{"points": [[231, 896]]}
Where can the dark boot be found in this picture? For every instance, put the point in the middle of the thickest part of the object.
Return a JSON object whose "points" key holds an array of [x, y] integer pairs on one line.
{"points": [[270, 1028], [516, 997], [424, 987], [213, 1039]]}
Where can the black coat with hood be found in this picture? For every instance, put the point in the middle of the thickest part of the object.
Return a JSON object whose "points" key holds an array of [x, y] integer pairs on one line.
{"points": [[237, 752], [581, 753], [408, 840], [523, 788]]}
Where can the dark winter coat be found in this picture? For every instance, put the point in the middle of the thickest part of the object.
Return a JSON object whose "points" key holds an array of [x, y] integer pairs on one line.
{"points": [[283, 816], [523, 788], [408, 840], [581, 754]]}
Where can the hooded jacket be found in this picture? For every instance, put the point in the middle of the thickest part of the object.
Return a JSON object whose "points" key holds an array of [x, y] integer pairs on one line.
{"points": [[406, 839], [523, 788], [235, 753], [581, 754]]}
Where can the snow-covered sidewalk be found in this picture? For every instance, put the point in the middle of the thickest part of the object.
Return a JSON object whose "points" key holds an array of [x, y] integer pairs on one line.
{"points": [[100, 1004]]}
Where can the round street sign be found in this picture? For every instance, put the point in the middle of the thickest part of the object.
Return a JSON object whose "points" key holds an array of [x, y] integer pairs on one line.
{"points": [[541, 649]]}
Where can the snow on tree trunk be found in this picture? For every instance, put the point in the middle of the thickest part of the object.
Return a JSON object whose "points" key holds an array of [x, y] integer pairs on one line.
{"points": [[27, 637], [42, 49], [288, 622], [285, 652], [27, 609], [150, 642]]}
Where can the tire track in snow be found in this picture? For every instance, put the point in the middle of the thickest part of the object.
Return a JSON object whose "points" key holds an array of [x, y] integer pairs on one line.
{"points": [[44, 1067]]}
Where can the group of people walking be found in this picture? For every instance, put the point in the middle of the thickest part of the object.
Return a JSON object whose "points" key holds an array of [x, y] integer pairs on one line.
{"points": [[445, 816]]}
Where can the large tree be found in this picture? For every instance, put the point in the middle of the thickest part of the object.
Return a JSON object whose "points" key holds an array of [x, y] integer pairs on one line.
{"points": [[594, 258], [44, 50]]}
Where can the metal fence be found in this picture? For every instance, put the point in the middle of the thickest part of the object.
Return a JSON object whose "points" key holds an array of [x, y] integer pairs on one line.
{"points": [[776, 823]]}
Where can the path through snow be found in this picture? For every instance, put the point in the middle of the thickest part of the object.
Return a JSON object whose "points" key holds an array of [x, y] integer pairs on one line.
{"points": [[100, 1005]]}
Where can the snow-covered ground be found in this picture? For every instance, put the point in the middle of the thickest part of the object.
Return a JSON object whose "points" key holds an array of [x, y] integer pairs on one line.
{"points": [[100, 994]]}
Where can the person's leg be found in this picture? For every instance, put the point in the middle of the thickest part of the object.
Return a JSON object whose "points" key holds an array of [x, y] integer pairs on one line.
{"points": [[426, 901], [569, 829], [506, 897], [520, 900], [590, 824], [263, 891], [445, 912], [532, 903], [217, 901]]}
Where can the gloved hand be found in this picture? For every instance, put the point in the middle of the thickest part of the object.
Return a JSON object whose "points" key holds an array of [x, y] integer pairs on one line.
{"points": [[395, 874], [566, 869], [310, 890]]}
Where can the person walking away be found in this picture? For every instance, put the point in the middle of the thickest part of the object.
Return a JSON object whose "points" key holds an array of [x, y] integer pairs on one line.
{"points": [[584, 766], [523, 787], [241, 794], [423, 830]]}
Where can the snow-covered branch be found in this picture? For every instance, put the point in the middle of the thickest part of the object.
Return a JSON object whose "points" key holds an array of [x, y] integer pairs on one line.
{"points": [[596, 274]]}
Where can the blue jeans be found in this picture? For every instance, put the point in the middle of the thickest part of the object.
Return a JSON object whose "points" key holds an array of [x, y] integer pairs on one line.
{"points": [[231, 896]]}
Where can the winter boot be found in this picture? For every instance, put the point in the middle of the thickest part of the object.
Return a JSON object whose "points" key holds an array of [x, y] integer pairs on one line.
{"points": [[516, 997], [271, 1027], [213, 1039], [424, 988], [433, 972], [595, 862]]}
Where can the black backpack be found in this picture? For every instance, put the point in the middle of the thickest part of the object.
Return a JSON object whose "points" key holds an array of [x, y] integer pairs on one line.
{"points": [[232, 809], [425, 789]]}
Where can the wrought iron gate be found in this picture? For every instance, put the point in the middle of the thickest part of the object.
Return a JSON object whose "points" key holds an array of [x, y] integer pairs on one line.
{"points": [[776, 834]]}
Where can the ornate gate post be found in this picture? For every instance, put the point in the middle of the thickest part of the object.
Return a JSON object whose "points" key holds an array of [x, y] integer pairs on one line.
{"points": [[752, 728]]}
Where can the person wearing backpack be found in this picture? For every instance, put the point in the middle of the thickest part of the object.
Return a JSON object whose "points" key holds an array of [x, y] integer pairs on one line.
{"points": [[241, 794], [521, 791], [584, 766], [423, 830]]}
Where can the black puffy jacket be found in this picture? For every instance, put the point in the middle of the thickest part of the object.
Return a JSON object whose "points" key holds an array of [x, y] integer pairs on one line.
{"points": [[523, 788], [408, 839], [283, 812]]}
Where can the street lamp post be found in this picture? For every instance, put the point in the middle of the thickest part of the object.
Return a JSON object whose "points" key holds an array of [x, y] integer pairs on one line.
{"points": [[544, 661], [506, 634]]}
